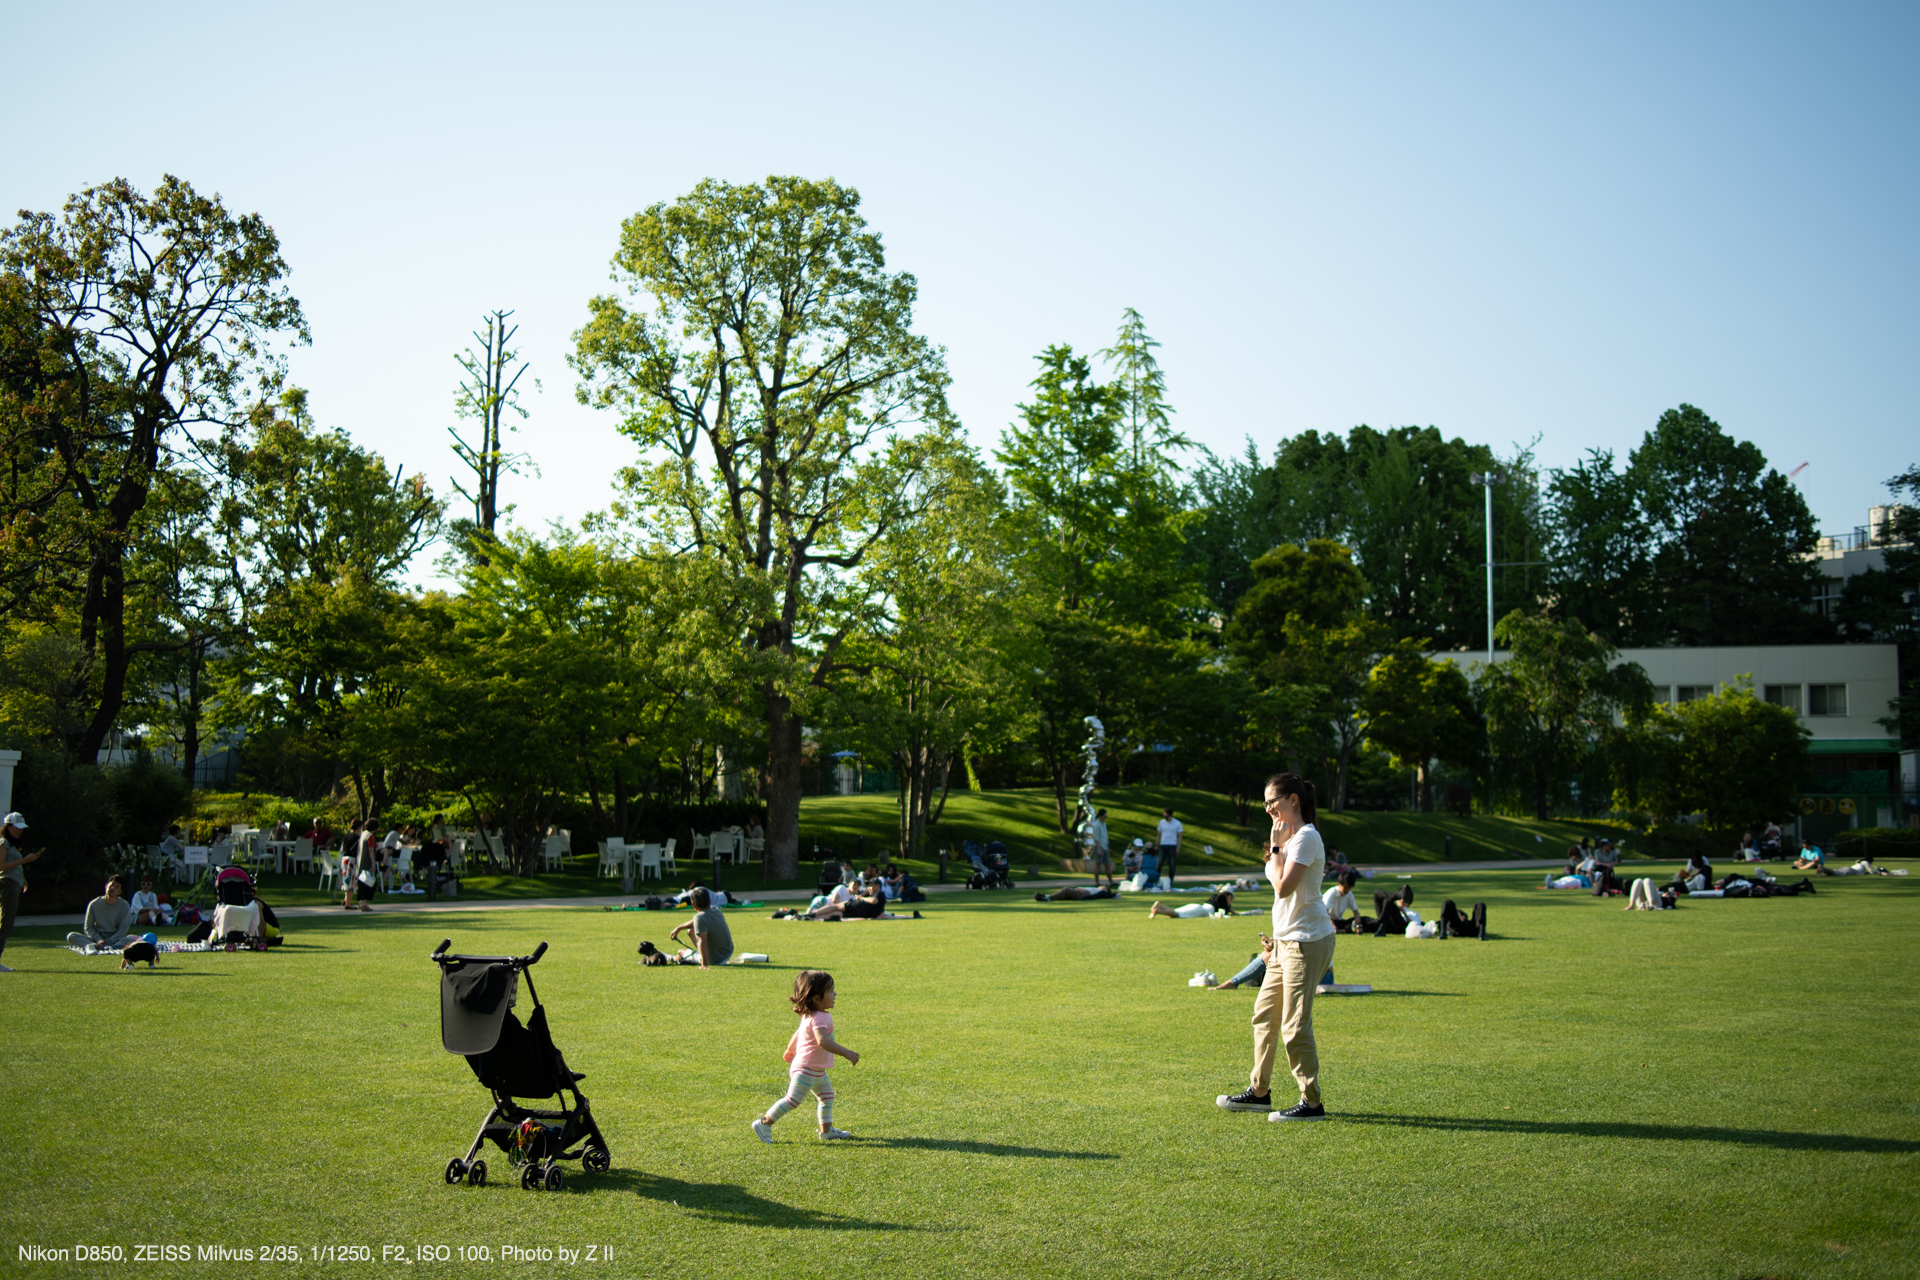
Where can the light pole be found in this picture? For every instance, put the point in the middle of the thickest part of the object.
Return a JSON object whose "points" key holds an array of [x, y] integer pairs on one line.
{"points": [[1486, 483]]}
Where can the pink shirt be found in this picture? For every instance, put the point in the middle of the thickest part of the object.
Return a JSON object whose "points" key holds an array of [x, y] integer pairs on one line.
{"points": [[807, 1051]]}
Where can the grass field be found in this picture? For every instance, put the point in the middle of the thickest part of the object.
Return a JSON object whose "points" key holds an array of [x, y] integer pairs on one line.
{"points": [[1730, 1089], [1024, 821]]}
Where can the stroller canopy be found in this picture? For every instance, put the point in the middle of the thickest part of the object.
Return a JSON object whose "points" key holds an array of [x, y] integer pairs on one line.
{"points": [[475, 994]]}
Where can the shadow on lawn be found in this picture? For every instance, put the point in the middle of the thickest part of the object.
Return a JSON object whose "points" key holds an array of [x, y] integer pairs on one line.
{"points": [[985, 1148], [1778, 1139], [725, 1202]]}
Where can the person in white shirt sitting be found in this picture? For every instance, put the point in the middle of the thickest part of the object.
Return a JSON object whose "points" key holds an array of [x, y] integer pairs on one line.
{"points": [[1341, 908], [147, 907]]}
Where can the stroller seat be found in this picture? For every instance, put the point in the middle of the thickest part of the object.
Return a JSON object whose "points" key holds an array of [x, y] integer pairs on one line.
{"points": [[514, 1062]]}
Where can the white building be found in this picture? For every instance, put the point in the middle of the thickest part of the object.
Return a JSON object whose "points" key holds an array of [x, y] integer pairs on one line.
{"points": [[1839, 691]]}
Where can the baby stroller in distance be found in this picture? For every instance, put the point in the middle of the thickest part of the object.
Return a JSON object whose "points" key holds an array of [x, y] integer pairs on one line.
{"points": [[989, 865], [476, 998]]}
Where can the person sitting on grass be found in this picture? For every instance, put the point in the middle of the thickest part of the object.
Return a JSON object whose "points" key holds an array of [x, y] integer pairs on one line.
{"points": [[1076, 893], [1340, 904], [108, 918], [147, 907], [710, 941], [1220, 903], [1698, 869], [1812, 859]]}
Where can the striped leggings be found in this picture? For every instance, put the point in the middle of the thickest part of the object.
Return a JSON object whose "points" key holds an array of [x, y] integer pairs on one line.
{"points": [[798, 1085]]}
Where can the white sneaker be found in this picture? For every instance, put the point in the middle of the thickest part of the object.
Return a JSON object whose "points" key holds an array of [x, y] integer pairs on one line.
{"points": [[834, 1135], [763, 1131]]}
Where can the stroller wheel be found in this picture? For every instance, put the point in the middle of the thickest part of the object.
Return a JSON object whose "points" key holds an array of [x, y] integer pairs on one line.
{"points": [[555, 1179], [456, 1170], [530, 1178], [596, 1160], [477, 1174]]}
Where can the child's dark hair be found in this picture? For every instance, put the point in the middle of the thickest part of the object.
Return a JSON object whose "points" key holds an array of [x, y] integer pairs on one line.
{"points": [[810, 987], [1292, 784], [1347, 880]]}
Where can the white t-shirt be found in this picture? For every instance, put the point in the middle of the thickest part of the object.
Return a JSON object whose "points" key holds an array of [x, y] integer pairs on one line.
{"points": [[1194, 911], [1170, 830], [1338, 903], [1097, 834], [1300, 916]]}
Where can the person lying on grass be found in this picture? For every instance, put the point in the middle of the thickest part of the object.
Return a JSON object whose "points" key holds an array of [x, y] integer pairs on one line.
{"points": [[868, 904], [1220, 903], [1864, 867], [1076, 893]]}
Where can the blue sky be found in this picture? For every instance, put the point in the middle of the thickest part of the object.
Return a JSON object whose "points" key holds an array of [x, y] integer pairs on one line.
{"points": [[1507, 221]]}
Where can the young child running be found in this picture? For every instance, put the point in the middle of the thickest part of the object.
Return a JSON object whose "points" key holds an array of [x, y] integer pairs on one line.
{"points": [[809, 1053]]}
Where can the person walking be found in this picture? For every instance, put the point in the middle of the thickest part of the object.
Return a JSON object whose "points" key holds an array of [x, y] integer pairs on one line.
{"points": [[1298, 953], [13, 881], [1171, 832], [808, 1055]]}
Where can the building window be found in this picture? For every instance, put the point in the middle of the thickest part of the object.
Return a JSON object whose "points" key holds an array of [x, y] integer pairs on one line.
{"points": [[1688, 692], [1826, 596], [1785, 695], [1826, 699]]}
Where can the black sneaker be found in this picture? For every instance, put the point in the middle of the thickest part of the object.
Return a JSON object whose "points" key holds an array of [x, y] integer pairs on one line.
{"points": [[916, 915], [1245, 1100], [1301, 1111]]}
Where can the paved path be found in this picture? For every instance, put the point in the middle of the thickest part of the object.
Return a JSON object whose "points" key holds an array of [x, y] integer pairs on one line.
{"points": [[392, 902]]}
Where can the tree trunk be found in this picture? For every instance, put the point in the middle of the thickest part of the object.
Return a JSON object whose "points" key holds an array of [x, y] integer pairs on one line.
{"points": [[1426, 786], [190, 717], [783, 786], [946, 785]]}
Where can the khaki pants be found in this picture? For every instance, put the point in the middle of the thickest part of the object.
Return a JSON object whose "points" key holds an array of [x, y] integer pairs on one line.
{"points": [[1284, 1011]]}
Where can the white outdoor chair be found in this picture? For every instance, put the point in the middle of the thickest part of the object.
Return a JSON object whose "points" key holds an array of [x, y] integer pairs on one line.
{"points": [[756, 849], [195, 859], [666, 856], [650, 861], [400, 866], [701, 845], [553, 854], [300, 857], [456, 854], [613, 858], [329, 866], [566, 841]]}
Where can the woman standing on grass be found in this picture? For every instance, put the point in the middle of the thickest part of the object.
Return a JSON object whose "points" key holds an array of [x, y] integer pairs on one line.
{"points": [[1300, 950]]}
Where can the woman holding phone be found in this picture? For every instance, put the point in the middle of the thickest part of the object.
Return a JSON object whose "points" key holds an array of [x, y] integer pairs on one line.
{"points": [[1300, 950]]}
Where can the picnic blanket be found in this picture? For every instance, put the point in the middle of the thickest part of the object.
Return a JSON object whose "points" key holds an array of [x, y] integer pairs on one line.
{"points": [[164, 948]]}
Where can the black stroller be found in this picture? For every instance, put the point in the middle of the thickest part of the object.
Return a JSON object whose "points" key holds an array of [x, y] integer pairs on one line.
{"points": [[989, 865], [477, 994]]}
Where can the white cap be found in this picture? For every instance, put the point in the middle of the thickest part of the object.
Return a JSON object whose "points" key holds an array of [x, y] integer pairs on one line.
{"points": [[15, 820]]}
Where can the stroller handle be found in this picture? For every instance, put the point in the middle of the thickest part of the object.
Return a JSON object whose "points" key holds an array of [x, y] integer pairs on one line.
{"points": [[535, 957], [441, 949]]}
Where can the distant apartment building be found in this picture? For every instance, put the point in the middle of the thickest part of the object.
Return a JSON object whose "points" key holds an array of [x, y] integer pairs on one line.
{"points": [[1841, 556], [1841, 692]]}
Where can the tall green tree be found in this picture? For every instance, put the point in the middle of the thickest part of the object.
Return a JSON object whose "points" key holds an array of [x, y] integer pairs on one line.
{"points": [[150, 319], [1696, 542], [486, 395], [1421, 709], [940, 673], [786, 413], [1300, 626], [1552, 702], [1111, 601], [1730, 757]]}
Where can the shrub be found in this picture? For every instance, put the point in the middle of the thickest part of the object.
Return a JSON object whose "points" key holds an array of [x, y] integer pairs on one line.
{"points": [[1881, 842]]}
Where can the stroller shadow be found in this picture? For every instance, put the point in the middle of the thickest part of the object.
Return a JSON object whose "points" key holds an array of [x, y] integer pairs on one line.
{"points": [[162, 972], [984, 1148], [1779, 1140], [727, 1203]]}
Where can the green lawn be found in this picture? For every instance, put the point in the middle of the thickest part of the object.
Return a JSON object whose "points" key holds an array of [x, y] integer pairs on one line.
{"points": [[1731, 1089]]}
